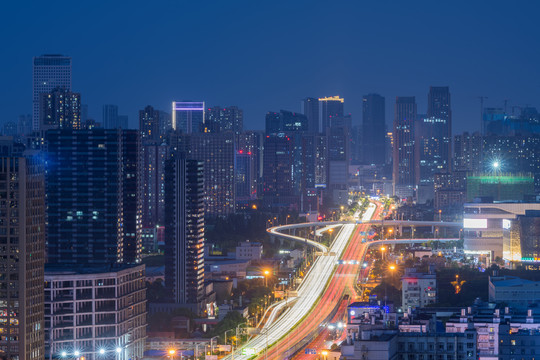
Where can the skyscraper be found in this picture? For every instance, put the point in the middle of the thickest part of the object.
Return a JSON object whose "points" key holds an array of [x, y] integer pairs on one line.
{"points": [[230, 118], [310, 108], [22, 255], [49, 72], [187, 116], [434, 135], [93, 207], [149, 124], [467, 152], [184, 229], [217, 152], [329, 109], [60, 109], [110, 117], [285, 121], [405, 157], [277, 171], [153, 184], [373, 129]]}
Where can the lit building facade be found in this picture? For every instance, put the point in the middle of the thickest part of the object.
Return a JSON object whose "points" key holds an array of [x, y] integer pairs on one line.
{"points": [[499, 187], [330, 107], [521, 244], [184, 230], [149, 124], [188, 116], [418, 289], [60, 109], [22, 255], [467, 152], [95, 312], [486, 225], [218, 119], [49, 72]]}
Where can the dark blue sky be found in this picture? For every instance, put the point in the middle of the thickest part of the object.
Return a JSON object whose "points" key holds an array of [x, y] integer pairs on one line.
{"points": [[268, 55]]}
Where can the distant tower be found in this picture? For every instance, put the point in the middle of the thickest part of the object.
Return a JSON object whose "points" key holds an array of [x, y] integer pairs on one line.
{"points": [[310, 108], [60, 109], [373, 129], [329, 109], [50, 72], [229, 118], [405, 158], [187, 116], [110, 116], [149, 124]]}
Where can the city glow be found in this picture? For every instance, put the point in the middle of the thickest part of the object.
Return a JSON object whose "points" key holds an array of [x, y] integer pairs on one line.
{"points": [[64, 354]]}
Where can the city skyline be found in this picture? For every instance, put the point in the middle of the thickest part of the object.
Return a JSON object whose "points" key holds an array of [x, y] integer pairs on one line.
{"points": [[467, 60]]}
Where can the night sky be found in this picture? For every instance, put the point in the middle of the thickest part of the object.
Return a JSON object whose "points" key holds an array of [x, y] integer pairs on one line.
{"points": [[268, 55]]}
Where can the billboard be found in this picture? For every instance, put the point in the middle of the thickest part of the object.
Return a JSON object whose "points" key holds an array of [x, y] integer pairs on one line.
{"points": [[475, 223]]}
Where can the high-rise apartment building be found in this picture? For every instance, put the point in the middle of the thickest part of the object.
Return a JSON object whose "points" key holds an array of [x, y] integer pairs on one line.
{"points": [[188, 116], [467, 152], [373, 129], [330, 108], [60, 109], [93, 196], [153, 184], [217, 152], [218, 119], [252, 142], [405, 157], [149, 124], [310, 108], [434, 135], [22, 254], [184, 230], [49, 72]]}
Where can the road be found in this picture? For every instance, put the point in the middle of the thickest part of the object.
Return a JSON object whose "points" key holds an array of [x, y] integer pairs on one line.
{"points": [[342, 281]]}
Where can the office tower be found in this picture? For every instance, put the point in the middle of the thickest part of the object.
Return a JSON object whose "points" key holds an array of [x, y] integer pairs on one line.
{"points": [[22, 254], [434, 135], [314, 169], [184, 229], [405, 158], [60, 109], [110, 117], [187, 116], [277, 171], [219, 119], [467, 152], [24, 125], [285, 121], [329, 109], [92, 193], [149, 124], [97, 312], [50, 72], [153, 184], [245, 176], [217, 152], [310, 108], [373, 129]]}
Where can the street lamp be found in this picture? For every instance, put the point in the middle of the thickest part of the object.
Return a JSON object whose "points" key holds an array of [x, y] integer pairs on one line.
{"points": [[382, 251], [266, 273]]}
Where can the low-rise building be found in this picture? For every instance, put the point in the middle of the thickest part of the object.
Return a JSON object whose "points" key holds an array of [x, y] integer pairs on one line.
{"points": [[395, 345], [513, 291], [249, 251], [418, 289], [518, 344], [92, 311]]}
